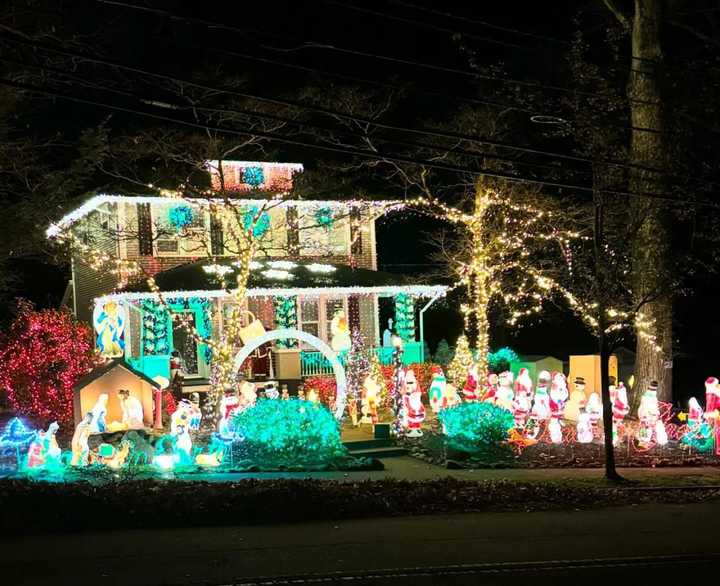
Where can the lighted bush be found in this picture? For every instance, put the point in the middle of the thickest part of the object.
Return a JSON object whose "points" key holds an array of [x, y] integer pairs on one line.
{"points": [[500, 360], [292, 433], [42, 356], [476, 426]]}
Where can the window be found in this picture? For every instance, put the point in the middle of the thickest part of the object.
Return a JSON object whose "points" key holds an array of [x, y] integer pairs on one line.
{"points": [[316, 314], [332, 306], [310, 315], [195, 238]]}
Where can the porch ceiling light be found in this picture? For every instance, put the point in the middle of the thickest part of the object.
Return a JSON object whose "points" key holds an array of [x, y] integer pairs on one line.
{"points": [[282, 264], [316, 267], [220, 270], [278, 274]]}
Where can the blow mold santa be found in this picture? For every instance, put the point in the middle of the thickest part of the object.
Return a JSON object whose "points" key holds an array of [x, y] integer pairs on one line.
{"points": [[620, 408], [712, 408], [522, 402], [413, 408], [471, 390], [558, 395], [491, 388]]}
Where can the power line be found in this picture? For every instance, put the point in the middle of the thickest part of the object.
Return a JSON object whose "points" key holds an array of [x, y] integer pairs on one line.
{"points": [[479, 22], [300, 123], [426, 25], [212, 24], [354, 152], [326, 111], [358, 53]]}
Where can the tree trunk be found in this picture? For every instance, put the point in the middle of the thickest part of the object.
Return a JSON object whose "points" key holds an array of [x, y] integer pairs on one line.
{"points": [[479, 296], [601, 292], [651, 246]]}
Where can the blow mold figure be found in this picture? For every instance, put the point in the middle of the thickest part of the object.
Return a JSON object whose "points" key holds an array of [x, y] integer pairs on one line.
{"points": [[505, 394], [414, 413], [79, 444], [437, 388], [99, 413]]}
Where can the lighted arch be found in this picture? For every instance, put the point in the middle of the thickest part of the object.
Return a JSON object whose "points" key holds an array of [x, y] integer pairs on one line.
{"points": [[315, 342]]}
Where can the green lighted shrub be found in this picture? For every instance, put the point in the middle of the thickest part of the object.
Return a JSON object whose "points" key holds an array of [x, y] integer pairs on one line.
{"points": [[292, 433], [473, 427], [500, 360]]}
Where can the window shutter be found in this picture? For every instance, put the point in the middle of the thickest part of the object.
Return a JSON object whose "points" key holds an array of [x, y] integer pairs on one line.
{"points": [[293, 233], [145, 240], [217, 242], [356, 244]]}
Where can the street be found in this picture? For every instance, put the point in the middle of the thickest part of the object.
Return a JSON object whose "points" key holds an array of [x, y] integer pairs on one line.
{"points": [[644, 544]]}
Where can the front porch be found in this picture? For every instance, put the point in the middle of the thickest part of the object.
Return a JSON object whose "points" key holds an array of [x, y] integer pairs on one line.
{"points": [[325, 301]]}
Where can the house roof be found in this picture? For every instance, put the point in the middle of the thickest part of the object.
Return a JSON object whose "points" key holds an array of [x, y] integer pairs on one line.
{"points": [[278, 277], [103, 369], [382, 206]]}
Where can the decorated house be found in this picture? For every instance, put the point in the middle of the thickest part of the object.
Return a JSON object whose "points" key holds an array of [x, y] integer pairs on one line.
{"points": [[314, 272]]}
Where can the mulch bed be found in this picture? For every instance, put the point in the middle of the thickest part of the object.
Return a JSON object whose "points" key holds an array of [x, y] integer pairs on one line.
{"points": [[431, 447]]}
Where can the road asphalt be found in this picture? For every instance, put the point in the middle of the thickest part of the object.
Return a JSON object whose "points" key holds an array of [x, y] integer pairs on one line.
{"points": [[576, 546]]}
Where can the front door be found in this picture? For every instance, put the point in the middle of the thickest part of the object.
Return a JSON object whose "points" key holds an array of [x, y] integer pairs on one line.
{"points": [[184, 343]]}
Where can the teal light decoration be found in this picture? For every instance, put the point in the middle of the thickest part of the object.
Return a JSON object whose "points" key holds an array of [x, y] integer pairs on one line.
{"points": [[262, 224], [155, 321], [475, 426], [181, 216], [291, 433], [405, 317], [157, 327], [324, 217], [700, 438], [15, 438], [500, 361], [286, 317], [253, 176]]}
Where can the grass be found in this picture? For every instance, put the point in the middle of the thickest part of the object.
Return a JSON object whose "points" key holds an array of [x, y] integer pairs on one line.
{"points": [[39, 507]]}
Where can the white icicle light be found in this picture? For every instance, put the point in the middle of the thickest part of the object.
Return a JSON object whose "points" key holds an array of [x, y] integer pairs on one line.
{"points": [[96, 201]]}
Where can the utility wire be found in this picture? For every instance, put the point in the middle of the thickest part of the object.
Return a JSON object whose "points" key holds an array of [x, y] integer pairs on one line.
{"points": [[211, 24], [359, 53], [326, 111], [303, 124], [479, 22], [355, 152]]}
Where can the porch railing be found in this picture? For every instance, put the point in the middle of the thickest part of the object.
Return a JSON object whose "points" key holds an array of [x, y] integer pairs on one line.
{"points": [[313, 363]]}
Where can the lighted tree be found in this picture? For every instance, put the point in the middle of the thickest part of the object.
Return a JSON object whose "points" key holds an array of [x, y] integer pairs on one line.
{"points": [[461, 362], [508, 248], [443, 354], [41, 358], [357, 368], [375, 371]]}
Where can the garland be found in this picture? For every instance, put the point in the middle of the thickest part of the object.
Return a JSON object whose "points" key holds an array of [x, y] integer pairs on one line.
{"points": [[156, 324], [324, 217], [405, 317], [180, 217], [259, 224], [253, 176], [286, 317]]}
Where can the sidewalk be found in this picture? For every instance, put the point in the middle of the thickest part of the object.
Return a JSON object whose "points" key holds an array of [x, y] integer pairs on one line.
{"points": [[409, 468]]}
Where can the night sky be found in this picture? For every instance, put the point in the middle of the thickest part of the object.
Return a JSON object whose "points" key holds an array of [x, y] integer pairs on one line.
{"points": [[178, 47]]}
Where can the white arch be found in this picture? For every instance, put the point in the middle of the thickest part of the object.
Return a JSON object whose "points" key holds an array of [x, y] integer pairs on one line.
{"points": [[315, 342]]}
